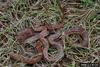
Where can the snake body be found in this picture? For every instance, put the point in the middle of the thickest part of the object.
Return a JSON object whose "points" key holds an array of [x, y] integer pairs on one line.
{"points": [[45, 38], [81, 31], [57, 45], [33, 59]]}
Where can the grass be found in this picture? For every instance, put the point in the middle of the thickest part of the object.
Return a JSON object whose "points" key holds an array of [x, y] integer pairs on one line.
{"points": [[21, 14]]}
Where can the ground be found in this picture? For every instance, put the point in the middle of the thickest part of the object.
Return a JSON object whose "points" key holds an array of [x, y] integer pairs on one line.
{"points": [[18, 15]]}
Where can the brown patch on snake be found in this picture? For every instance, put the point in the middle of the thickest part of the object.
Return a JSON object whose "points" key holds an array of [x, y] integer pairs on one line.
{"points": [[52, 27], [32, 59], [38, 47], [83, 34], [48, 39], [29, 32], [23, 35], [55, 44]]}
